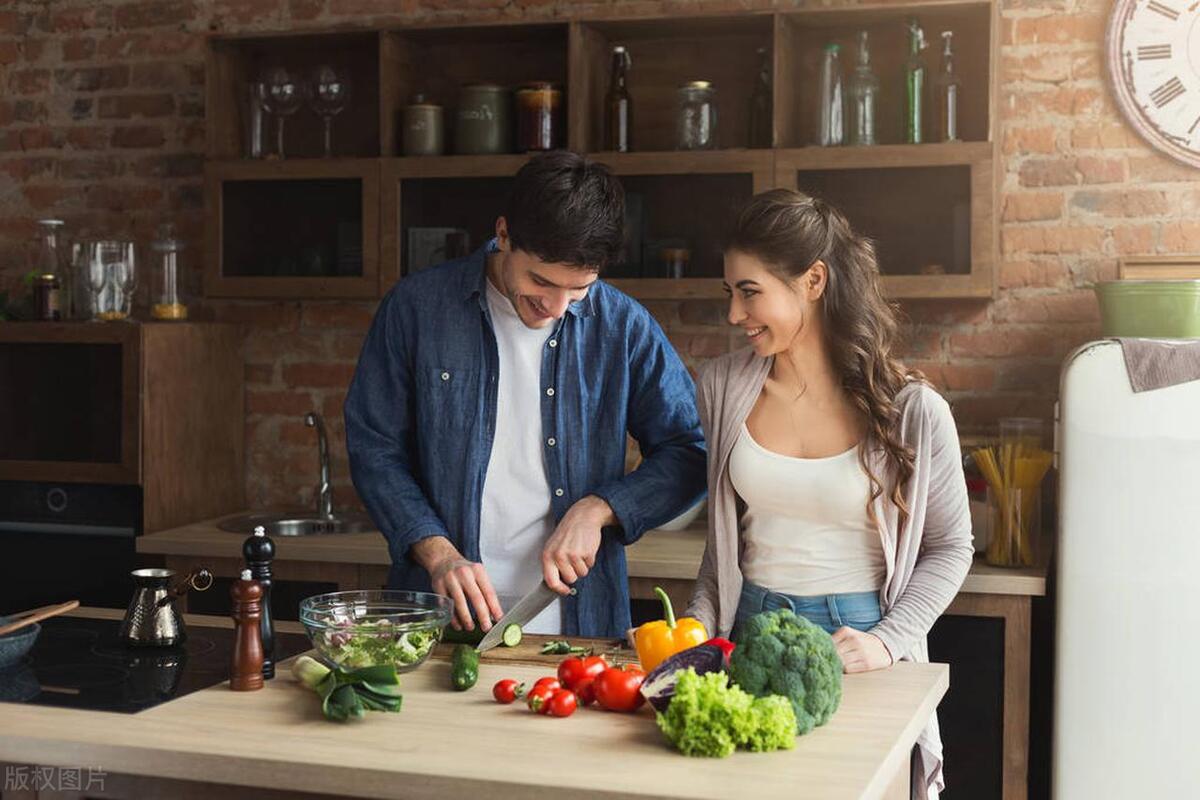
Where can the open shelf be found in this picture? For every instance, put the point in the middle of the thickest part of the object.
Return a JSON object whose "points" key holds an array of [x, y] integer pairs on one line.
{"points": [[292, 229], [236, 61], [802, 35], [665, 54], [438, 62], [680, 197]]}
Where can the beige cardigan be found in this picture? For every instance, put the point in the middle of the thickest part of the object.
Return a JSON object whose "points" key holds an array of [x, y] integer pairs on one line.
{"points": [[927, 561]]}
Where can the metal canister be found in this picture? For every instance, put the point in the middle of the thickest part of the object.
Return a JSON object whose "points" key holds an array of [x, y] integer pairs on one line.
{"points": [[423, 129], [483, 122], [539, 117]]}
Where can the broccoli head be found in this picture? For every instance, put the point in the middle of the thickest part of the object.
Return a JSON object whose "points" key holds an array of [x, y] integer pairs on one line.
{"points": [[780, 653]]}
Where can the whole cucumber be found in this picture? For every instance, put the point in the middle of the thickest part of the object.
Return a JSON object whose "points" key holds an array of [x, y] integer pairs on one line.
{"points": [[464, 667]]}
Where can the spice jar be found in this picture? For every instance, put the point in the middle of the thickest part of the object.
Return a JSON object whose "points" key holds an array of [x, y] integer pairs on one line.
{"points": [[167, 304], [423, 131], [539, 114], [46, 298], [696, 116], [483, 122]]}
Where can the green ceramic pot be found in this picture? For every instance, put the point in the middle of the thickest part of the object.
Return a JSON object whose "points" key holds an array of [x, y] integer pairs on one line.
{"points": [[1150, 309]]}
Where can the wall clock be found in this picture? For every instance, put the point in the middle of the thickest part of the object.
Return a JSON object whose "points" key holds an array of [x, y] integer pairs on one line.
{"points": [[1153, 51]]}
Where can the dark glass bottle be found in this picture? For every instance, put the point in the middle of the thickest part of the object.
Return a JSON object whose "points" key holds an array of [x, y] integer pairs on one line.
{"points": [[760, 102], [619, 106]]}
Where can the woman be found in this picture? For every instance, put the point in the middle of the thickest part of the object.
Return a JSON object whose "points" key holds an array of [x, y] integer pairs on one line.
{"points": [[834, 477]]}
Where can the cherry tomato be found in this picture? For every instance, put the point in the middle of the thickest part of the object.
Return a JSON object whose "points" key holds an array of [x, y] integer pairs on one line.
{"points": [[585, 692], [539, 698], [617, 688], [507, 690], [575, 670], [562, 703], [547, 681]]}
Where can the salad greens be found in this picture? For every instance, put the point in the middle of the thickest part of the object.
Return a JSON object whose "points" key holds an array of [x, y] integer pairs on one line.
{"points": [[375, 642], [708, 717]]}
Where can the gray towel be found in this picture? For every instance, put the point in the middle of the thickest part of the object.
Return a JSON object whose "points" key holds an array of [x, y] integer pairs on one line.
{"points": [[1158, 363]]}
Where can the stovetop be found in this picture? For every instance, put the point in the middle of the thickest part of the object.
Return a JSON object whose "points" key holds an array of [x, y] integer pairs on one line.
{"points": [[80, 663]]}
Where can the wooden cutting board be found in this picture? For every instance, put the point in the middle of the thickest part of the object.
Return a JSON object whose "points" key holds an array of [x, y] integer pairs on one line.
{"points": [[528, 651]]}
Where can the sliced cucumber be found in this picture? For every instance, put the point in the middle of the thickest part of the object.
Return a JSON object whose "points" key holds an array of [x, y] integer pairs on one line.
{"points": [[512, 635]]}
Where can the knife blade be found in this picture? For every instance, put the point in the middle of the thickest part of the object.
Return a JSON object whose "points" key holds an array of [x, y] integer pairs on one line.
{"points": [[521, 614]]}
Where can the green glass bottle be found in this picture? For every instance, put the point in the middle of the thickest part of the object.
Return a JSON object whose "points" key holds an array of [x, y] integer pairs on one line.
{"points": [[914, 85]]}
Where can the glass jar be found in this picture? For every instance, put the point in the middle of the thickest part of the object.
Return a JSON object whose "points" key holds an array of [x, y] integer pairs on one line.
{"points": [[1015, 474], [48, 261], [696, 117], [112, 274], [423, 130], [166, 303], [47, 298], [674, 261], [539, 115]]}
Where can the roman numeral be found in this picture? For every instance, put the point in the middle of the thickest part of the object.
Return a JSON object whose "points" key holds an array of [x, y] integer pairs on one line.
{"points": [[1166, 11], [1167, 92], [1154, 52]]}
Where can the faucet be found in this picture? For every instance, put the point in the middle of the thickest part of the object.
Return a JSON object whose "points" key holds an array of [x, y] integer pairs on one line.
{"points": [[325, 486]]}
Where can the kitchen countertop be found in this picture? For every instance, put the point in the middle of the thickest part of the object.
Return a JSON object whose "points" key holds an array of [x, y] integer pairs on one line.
{"points": [[451, 744], [657, 555]]}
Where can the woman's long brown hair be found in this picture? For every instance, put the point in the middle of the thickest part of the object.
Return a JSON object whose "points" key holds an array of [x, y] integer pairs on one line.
{"points": [[790, 231]]}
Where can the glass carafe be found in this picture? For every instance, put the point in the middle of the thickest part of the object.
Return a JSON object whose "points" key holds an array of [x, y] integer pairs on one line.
{"points": [[831, 129], [864, 91]]}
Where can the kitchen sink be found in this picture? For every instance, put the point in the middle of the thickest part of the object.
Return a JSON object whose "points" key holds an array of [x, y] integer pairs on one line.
{"points": [[299, 524]]}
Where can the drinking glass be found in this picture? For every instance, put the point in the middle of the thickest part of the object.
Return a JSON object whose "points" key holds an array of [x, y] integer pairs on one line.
{"points": [[330, 94], [285, 95], [112, 277]]}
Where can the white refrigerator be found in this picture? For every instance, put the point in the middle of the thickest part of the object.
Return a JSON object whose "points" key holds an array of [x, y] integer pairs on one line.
{"points": [[1127, 671]]}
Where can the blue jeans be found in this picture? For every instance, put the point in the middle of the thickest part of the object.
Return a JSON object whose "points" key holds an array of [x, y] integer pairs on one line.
{"points": [[858, 610]]}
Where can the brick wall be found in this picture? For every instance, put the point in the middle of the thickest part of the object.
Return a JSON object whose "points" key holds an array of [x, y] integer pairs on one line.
{"points": [[102, 124]]}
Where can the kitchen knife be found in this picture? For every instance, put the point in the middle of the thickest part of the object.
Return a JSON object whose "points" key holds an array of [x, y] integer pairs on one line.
{"points": [[521, 614]]}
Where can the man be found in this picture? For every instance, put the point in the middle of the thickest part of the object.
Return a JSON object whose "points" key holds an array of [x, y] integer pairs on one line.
{"points": [[487, 419]]}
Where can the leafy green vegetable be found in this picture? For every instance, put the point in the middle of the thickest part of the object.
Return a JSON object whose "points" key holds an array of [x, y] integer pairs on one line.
{"points": [[780, 653], [377, 642], [348, 695], [708, 717]]}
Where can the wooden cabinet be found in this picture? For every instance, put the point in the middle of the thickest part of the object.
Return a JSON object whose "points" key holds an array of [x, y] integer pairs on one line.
{"points": [[930, 208], [127, 403]]}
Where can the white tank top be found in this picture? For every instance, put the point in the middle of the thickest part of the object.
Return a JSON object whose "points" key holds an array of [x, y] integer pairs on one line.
{"points": [[805, 530]]}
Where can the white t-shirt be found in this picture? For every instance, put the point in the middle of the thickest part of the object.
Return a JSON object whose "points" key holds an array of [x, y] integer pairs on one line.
{"points": [[805, 530], [516, 517]]}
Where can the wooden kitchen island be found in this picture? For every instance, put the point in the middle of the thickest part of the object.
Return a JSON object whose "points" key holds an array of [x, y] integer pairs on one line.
{"points": [[670, 559], [274, 743]]}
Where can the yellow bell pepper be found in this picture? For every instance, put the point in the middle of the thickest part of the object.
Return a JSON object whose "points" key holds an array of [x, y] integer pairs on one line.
{"points": [[659, 640]]}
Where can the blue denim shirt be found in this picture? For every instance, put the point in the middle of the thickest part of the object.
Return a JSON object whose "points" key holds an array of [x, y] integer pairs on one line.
{"points": [[421, 416]]}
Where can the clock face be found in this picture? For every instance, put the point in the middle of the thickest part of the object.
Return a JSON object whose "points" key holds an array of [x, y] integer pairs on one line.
{"points": [[1154, 61]]}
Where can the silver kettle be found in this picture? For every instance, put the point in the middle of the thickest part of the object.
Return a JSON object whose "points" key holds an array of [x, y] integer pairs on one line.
{"points": [[151, 619]]}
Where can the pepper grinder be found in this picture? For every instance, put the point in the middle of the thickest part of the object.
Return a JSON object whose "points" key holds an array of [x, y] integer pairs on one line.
{"points": [[245, 671], [259, 551]]}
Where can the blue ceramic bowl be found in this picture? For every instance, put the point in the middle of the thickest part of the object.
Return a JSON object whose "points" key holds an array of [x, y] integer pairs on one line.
{"points": [[14, 646]]}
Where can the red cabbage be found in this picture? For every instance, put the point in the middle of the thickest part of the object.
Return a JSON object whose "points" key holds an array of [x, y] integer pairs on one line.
{"points": [[659, 686]]}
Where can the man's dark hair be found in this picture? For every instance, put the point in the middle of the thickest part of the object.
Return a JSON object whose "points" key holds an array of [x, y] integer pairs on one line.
{"points": [[566, 209]]}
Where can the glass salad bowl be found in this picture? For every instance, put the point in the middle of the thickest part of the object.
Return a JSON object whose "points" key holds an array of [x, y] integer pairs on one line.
{"points": [[373, 627]]}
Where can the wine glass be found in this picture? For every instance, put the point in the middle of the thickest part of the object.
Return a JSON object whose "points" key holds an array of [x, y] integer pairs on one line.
{"points": [[330, 94], [285, 95]]}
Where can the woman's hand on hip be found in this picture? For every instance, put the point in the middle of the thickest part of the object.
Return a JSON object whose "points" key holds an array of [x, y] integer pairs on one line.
{"points": [[859, 651]]}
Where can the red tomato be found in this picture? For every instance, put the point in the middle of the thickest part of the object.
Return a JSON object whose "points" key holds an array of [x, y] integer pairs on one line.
{"points": [[507, 690], [586, 692], [539, 698], [547, 681], [562, 703], [575, 670], [617, 688]]}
